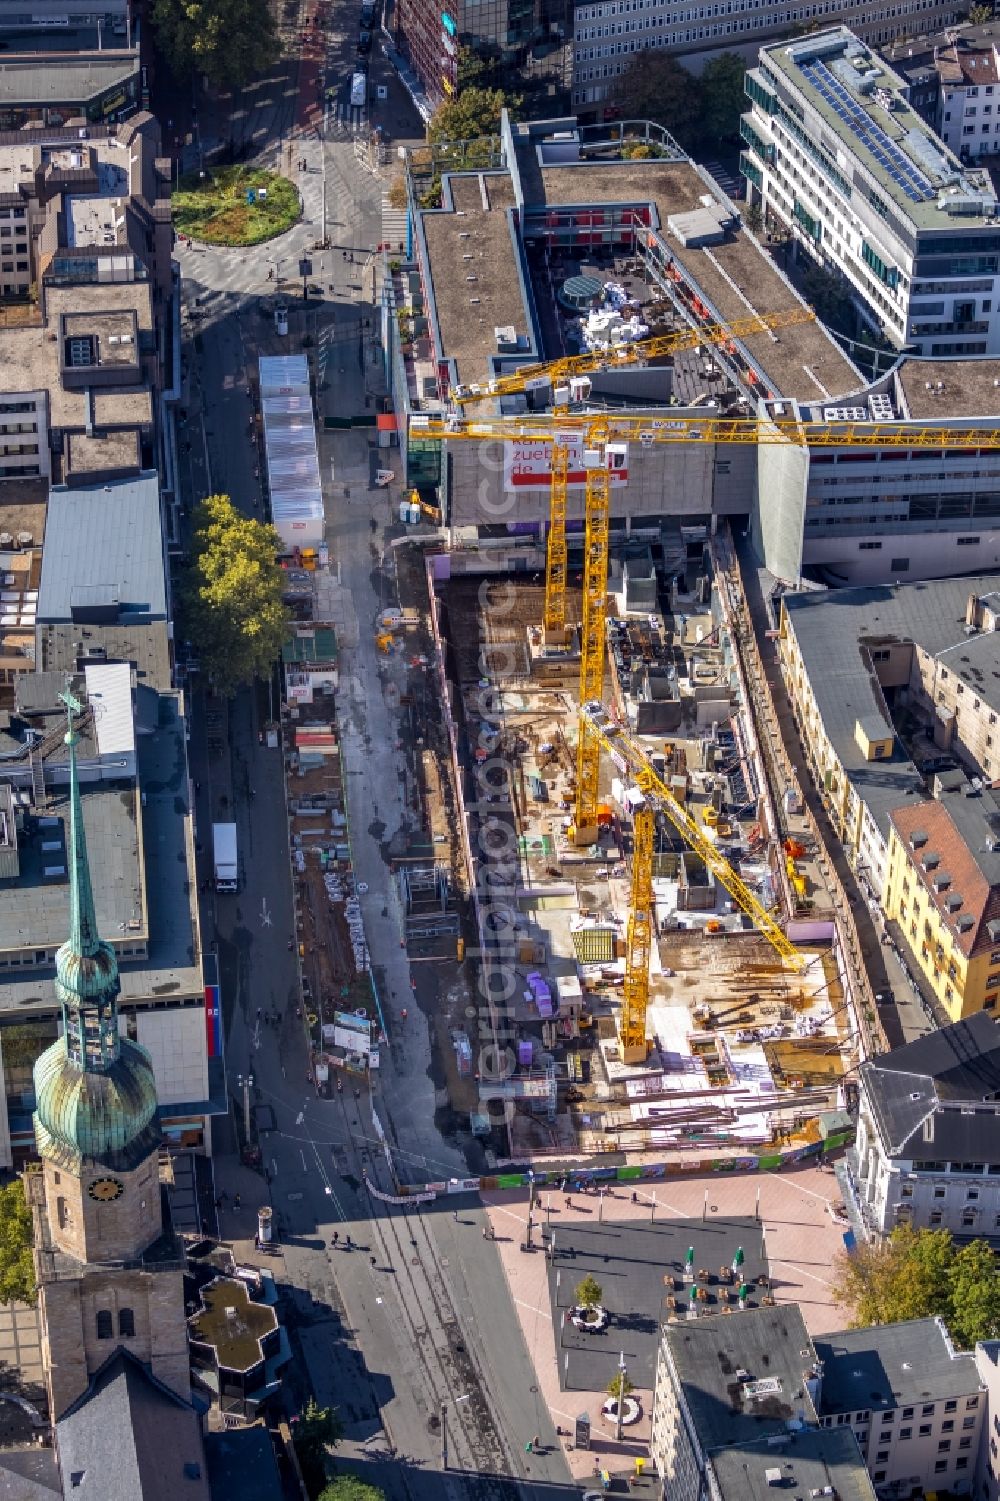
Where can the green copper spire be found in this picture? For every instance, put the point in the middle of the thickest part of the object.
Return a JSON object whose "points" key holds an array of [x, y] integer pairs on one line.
{"points": [[87, 981], [95, 1090], [83, 938]]}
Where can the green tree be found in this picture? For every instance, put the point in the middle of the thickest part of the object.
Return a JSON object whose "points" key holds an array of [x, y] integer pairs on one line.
{"points": [[472, 113], [980, 14], [589, 1293], [974, 1290], [723, 99], [17, 1271], [904, 1277], [317, 1431], [753, 218], [350, 1488], [654, 86], [477, 69], [830, 297], [229, 41], [232, 604], [619, 1386]]}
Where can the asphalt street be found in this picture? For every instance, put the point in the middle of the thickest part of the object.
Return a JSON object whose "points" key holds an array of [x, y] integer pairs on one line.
{"points": [[399, 1314]]}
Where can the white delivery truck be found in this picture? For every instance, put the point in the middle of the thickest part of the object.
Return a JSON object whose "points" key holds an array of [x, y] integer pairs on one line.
{"points": [[224, 850], [359, 90]]}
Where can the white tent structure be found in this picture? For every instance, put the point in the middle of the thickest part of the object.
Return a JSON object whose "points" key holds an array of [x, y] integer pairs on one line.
{"points": [[290, 450]]}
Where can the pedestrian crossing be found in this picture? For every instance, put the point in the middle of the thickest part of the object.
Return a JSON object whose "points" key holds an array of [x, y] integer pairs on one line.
{"points": [[393, 223]]}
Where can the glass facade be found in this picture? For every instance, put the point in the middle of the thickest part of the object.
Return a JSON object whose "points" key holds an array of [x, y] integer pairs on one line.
{"points": [[21, 1043], [523, 46]]}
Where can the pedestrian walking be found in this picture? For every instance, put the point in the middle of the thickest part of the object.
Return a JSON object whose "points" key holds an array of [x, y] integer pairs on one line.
{"points": [[336, 1237], [455, 1216], [237, 1201], [371, 1262]]}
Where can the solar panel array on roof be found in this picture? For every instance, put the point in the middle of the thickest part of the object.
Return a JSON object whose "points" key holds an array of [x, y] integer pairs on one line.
{"points": [[902, 171]]}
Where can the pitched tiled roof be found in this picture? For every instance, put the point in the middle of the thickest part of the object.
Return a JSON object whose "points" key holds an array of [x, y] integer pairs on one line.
{"points": [[964, 881]]}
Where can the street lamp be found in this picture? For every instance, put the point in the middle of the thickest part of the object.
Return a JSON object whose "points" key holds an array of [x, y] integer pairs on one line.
{"points": [[246, 1084], [454, 1401], [621, 1397]]}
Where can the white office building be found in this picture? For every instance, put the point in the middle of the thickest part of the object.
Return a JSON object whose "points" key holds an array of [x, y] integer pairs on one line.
{"points": [[608, 32], [837, 155], [927, 1151]]}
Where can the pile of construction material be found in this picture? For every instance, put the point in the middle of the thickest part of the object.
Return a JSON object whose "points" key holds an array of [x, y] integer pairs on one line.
{"points": [[615, 320], [356, 929]]}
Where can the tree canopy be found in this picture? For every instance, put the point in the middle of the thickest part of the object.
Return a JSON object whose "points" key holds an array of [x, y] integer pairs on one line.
{"points": [[229, 41], [919, 1274], [980, 14], [17, 1271], [698, 112], [315, 1431], [472, 113], [232, 606], [350, 1488], [723, 98], [654, 86], [589, 1293]]}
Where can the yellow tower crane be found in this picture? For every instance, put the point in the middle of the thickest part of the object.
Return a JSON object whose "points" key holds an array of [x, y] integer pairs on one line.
{"points": [[621, 356], [600, 435], [618, 357], [634, 766]]}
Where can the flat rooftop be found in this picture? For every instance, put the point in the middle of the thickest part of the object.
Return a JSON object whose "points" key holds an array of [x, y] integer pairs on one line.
{"points": [[146, 647], [811, 1463], [892, 1365], [29, 359], [173, 964], [17, 166], [34, 911], [710, 1356], [103, 544], [949, 388], [98, 455], [232, 1324], [803, 362], [476, 240], [862, 102], [63, 78]]}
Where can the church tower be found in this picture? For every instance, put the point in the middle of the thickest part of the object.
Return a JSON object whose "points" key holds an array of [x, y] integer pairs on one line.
{"points": [[109, 1271]]}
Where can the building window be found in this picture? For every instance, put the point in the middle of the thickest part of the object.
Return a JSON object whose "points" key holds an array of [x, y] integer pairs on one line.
{"points": [[925, 1430], [949, 1426], [907, 1412], [944, 1446], [906, 1433], [879, 1475], [940, 1466], [939, 1193], [961, 1463], [126, 1323], [935, 1219], [882, 1457], [900, 565], [105, 1329], [968, 1423], [971, 1403], [952, 1406]]}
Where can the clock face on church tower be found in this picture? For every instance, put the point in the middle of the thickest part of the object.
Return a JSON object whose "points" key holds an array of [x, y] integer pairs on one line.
{"points": [[106, 1190]]}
